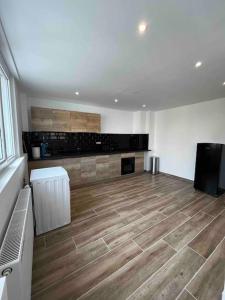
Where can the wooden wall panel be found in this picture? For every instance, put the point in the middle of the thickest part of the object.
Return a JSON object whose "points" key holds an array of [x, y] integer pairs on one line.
{"points": [[47, 119], [92, 168]]}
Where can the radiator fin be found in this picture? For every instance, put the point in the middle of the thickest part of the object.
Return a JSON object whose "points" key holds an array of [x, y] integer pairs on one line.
{"points": [[12, 245], [22, 200]]}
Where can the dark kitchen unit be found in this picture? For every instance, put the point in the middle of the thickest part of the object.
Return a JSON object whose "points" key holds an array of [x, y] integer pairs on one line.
{"points": [[127, 165], [210, 168]]}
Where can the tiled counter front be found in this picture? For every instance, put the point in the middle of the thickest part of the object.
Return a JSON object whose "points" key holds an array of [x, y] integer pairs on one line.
{"points": [[90, 169]]}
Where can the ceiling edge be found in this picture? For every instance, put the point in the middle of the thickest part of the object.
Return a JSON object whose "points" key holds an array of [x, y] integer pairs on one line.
{"points": [[7, 53]]}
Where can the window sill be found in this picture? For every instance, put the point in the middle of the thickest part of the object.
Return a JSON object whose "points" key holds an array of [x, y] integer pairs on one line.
{"points": [[7, 173]]}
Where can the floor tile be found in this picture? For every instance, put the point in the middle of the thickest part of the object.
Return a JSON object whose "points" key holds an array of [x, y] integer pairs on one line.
{"points": [[158, 231], [58, 235], [186, 232], [43, 256], [126, 280], [80, 282], [206, 241], [95, 257], [209, 283], [172, 278], [64, 265], [215, 208], [198, 205], [131, 230]]}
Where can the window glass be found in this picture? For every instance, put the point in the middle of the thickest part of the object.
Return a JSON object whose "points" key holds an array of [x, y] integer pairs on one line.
{"points": [[7, 147], [7, 117]]}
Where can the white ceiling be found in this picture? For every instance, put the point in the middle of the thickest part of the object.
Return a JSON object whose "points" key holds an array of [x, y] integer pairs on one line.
{"points": [[93, 46]]}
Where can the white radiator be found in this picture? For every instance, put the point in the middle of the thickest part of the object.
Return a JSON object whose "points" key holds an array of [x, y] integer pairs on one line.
{"points": [[16, 253]]}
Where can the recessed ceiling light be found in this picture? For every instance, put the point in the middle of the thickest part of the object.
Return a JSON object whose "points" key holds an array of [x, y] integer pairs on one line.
{"points": [[142, 27], [77, 93], [143, 105], [116, 100], [224, 83], [198, 64]]}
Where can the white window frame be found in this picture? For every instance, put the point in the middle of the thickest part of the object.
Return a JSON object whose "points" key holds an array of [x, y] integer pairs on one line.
{"points": [[6, 160], [2, 140]]}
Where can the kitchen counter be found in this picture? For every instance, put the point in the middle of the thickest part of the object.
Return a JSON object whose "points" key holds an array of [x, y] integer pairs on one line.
{"points": [[89, 168], [87, 154]]}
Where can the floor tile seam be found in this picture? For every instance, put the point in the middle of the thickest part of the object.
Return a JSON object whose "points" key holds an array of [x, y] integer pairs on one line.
{"points": [[88, 218], [137, 245], [196, 252], [177, 298], [169, 245], [105, 244]]}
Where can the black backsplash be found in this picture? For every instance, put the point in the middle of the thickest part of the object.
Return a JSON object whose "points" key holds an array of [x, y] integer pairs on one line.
{"points": [[67, 143]]}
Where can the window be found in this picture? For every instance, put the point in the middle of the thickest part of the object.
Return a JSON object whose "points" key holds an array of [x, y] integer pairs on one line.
{"points": [[7, 147]]}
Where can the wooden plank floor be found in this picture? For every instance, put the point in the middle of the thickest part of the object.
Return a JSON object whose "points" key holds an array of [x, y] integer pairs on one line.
{"points": [[136, 237]]}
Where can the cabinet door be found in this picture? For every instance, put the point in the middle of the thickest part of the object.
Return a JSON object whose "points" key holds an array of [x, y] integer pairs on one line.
{"points": [[78, 122], [93, 123], [46, 119], [88, 169], [60, 120], [41, 119], [115, 165]]}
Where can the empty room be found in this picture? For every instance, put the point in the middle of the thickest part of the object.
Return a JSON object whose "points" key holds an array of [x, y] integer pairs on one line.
{"points": [[112, 150]]}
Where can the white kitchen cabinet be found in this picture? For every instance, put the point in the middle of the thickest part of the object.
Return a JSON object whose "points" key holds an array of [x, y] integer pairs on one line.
{"points": [[51, 194]]}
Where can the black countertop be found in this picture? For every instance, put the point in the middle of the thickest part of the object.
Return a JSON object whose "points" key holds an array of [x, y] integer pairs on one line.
{"points": [[77, 155]]}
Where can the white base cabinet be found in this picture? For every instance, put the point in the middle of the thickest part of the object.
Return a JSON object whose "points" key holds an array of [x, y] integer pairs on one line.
{"points": [[51, 194]]}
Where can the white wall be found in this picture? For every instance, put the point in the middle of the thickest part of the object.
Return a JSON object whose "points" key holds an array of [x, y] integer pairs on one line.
{"points": [[112, 120], [139, 122], [24, 111], [178, 130], [150, 129]]}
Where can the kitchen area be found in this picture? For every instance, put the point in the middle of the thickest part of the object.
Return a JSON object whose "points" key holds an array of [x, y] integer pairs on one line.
{"points": [[74, 141]]}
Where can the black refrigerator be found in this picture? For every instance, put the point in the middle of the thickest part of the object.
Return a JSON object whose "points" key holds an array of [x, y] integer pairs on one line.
{"points": [[210, 168]]}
